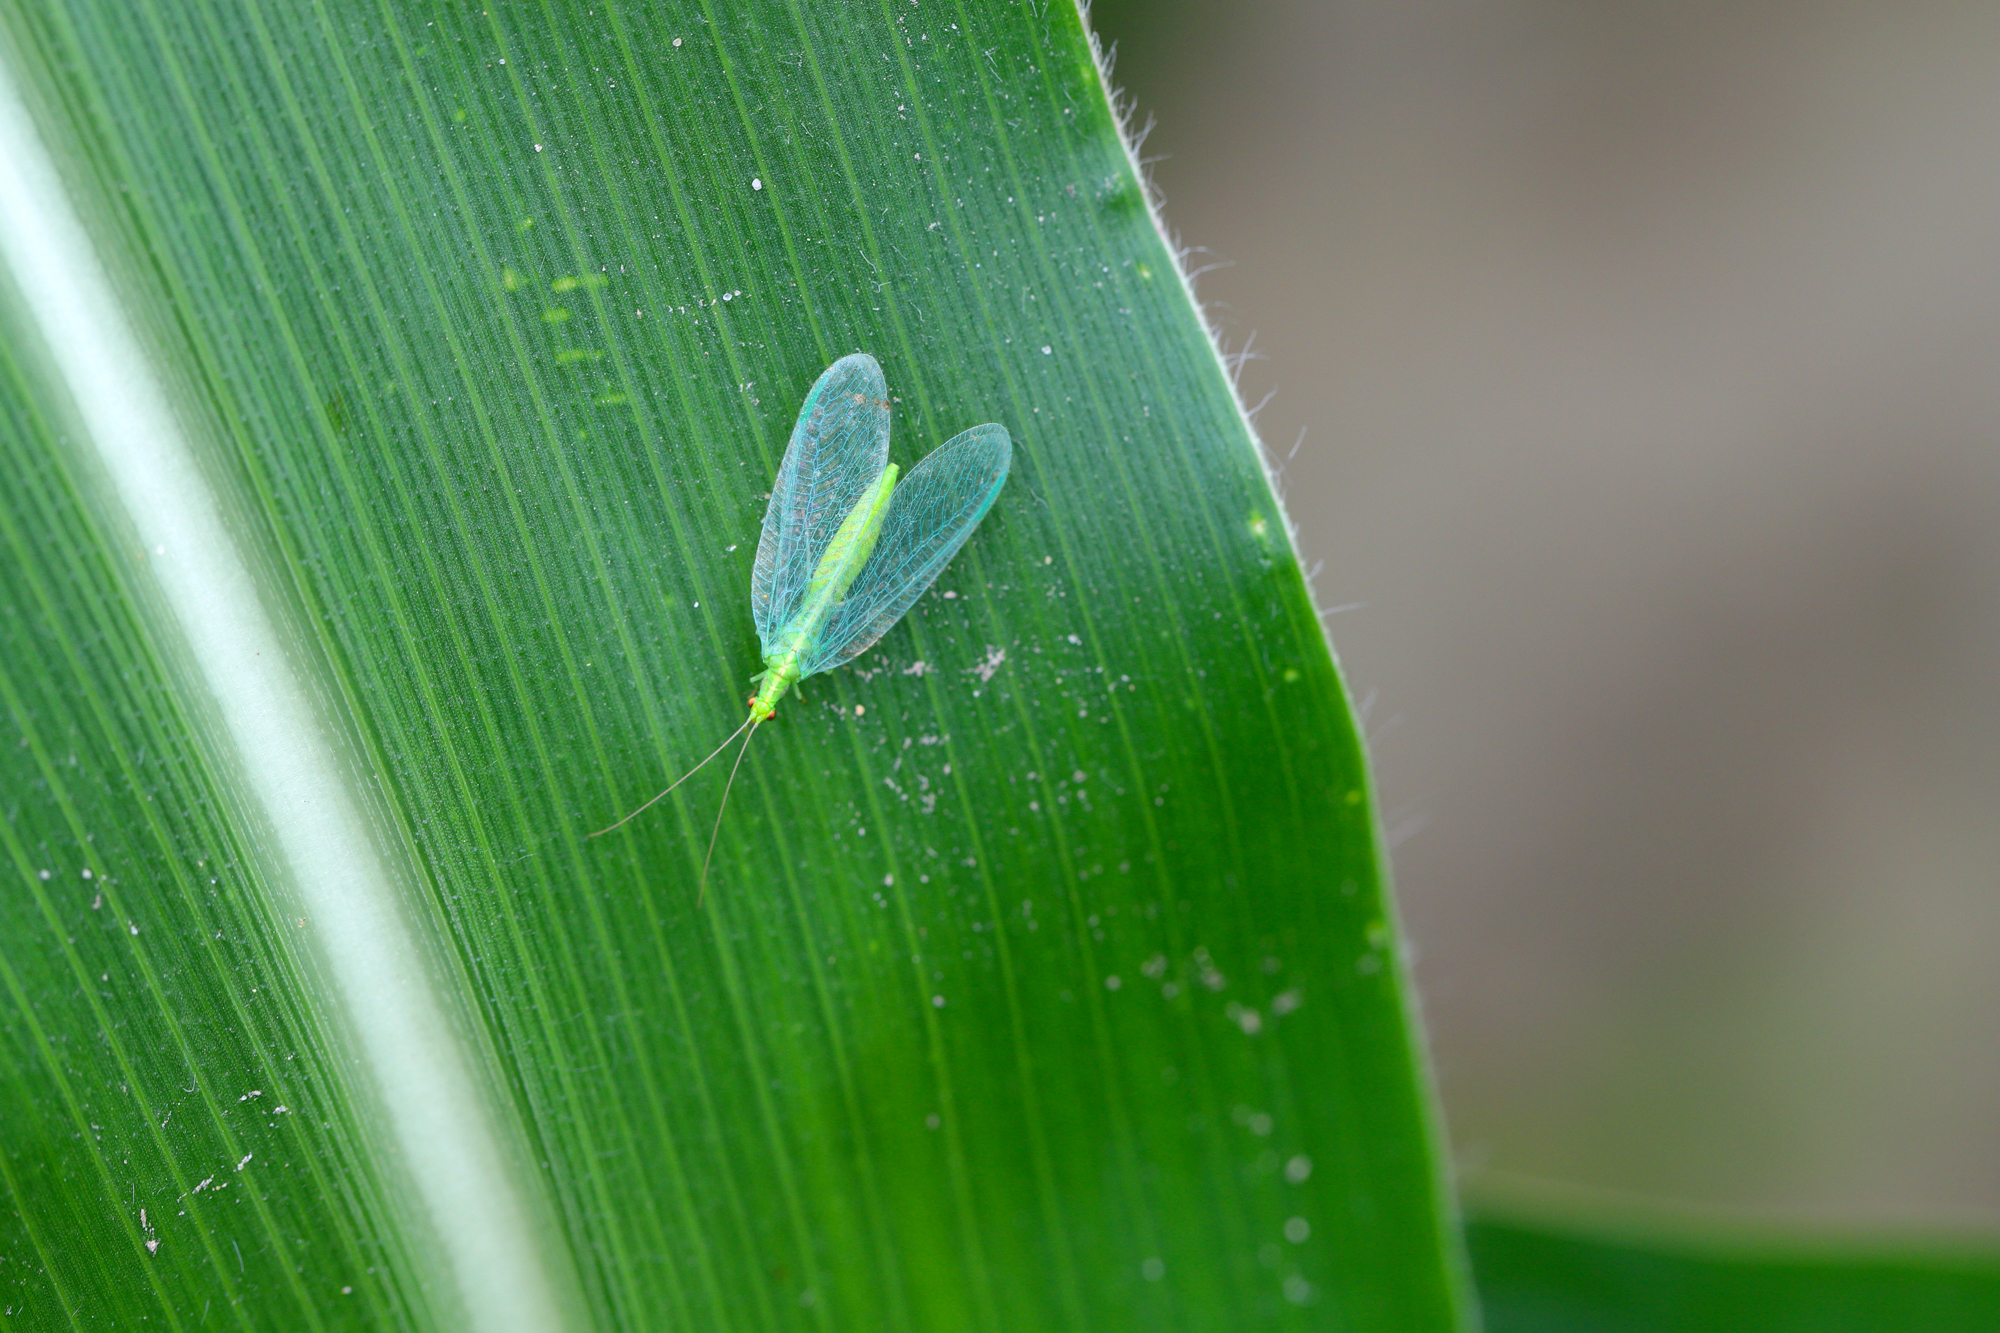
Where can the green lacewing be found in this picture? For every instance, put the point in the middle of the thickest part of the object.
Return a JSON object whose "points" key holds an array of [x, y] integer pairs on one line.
{"points": [[847, 548]]}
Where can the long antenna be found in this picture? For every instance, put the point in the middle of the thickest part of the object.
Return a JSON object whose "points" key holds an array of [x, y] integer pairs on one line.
{"points": [[679, 780], [717, 830]]}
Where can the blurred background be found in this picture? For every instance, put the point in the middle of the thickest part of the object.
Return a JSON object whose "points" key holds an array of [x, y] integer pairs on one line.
{"points": [[1643, 365]]}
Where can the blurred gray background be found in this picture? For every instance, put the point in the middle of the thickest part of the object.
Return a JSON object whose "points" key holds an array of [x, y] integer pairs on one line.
{"points": [[1648, 362]]}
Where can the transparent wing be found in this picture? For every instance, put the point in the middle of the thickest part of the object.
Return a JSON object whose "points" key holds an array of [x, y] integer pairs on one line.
{"points": [[839, 446], [931, 513]]}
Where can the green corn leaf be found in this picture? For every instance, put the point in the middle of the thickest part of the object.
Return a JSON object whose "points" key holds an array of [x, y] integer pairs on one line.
{"points": [[389, 393], [1583, 1273]]}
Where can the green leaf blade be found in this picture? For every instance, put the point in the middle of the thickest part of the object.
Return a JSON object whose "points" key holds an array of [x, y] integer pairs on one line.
{"points": [[168, 1145], [1046, 976], [1549, 1277]]}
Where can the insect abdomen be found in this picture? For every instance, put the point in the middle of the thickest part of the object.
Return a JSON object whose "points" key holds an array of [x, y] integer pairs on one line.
{"points": [[846, 555]]}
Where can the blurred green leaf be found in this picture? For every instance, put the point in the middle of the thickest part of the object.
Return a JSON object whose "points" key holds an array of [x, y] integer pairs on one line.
{"points": [[1542, 1277], [1046, 978]]}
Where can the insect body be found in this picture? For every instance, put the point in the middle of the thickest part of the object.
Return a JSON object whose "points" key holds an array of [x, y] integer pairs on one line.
{"points": [[847, 548]]}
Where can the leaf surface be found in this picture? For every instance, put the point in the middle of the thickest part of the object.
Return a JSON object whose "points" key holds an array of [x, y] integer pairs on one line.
{"points": [[1536, 1276], [1046, 977]]}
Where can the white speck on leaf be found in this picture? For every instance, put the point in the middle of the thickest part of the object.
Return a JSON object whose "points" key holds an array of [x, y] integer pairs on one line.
{"points": [[984, 670]]}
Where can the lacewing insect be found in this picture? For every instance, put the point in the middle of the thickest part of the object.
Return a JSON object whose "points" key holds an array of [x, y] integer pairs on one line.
{"points": [[847, 549]]}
